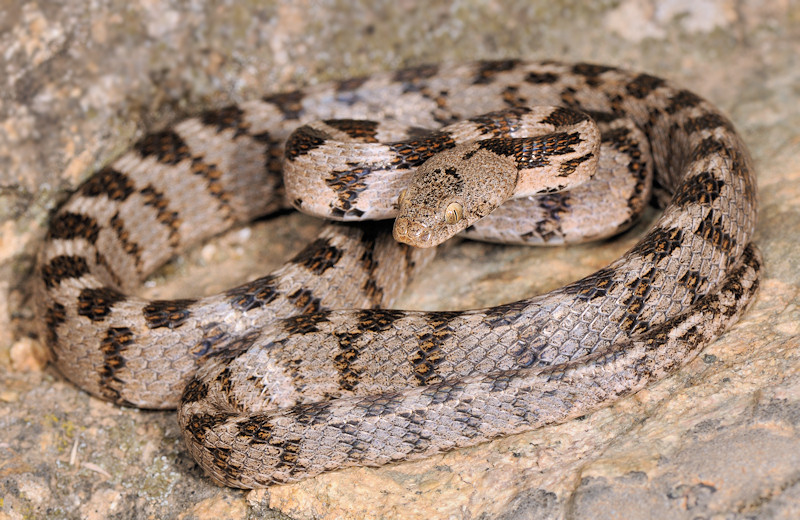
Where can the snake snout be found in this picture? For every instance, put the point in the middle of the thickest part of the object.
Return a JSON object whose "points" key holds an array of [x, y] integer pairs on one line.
{"points": [[411, 232]]}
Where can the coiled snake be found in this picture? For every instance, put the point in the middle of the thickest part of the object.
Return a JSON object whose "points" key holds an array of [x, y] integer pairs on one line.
{"points": [[277, 386]]}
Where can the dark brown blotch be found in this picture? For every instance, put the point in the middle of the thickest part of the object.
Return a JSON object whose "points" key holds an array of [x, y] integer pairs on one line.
{"points": [[488, 70], [415, 74], [63, 267], [345, 358], [413, 152], [54, 316], [70, 226], [305, 301], [158, 201], [289, 103], [226, 118], [363, 130], [660, 243], [256, 429], [304, 323], [703, 188], [596, 285], [319, 256], [681, 100], [541, 78], [96, 304], [642, 85], [109, 182], [167, 146], [167, 313], [113, 346], [195, 391], [253, 295], [303, 140], [562, 116]]}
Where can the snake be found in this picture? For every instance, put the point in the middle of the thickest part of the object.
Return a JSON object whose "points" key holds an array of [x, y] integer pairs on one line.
{"points": [[309, 369]]}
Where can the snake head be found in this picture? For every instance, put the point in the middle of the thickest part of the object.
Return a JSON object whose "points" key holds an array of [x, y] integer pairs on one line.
{"points": [[451, 191]]}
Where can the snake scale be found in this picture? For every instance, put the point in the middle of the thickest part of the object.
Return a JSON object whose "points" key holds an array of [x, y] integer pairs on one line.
{"points": [[303, 371]]}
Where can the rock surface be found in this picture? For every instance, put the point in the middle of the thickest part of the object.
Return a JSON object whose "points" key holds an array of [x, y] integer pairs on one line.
{"points": [[79, 81]]}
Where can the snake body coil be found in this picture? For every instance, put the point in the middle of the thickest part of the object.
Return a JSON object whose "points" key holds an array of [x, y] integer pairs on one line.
{"points": [[279, 387]]}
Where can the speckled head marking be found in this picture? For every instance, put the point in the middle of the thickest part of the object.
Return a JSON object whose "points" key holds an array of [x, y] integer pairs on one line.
{"points": [[451, 191]]}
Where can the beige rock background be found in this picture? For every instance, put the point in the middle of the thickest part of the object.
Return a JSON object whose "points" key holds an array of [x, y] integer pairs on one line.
{"points": [[80, 80]]}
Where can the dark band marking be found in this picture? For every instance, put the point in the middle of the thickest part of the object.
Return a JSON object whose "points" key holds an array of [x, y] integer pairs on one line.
{"points": [[70, 226], [429, 354], [289, 103], [658, 244], [167, 313], [681, 100], [311, 413], [113, 346], [55, 316], [213, 175], [109, 182], [256, 429], [695, 283], [130, 247], [253, 295], [703, 188], [591, 72], [345, 358], [96, 304], [303, 140], [413, 152], [568, 98], [556, 206], [603, 116], [487, 70], [640, 289], [304, 323], [351, 84], [226, 118], [156, 200], [305, 301], [643, 85], [415, 74], [541, 78], [443, 392], [369, 261], [512, 97], [195, 391], [567, 168], [501, 123], [362, 130], [620, 140], [711, 229], [166, 146], [197, 426], [318, 256], [565, 117], [63, 267], [708, 121], [533, 152], [348, 185], [596, 285]]}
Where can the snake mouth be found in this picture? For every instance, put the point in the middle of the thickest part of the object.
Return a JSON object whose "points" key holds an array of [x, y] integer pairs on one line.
{"points": [[410, 232]]}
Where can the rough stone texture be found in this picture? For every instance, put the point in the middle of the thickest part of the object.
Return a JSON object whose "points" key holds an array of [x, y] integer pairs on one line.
{"points": [[79, 80]]}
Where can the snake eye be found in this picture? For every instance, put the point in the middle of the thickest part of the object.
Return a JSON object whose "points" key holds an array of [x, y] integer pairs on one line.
{"points": [[453, 213]]}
